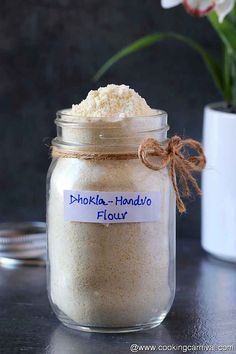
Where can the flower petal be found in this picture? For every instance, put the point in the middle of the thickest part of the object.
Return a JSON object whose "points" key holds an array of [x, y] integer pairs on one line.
{"points": [[170, 3], [199, 8], [223, 8]]}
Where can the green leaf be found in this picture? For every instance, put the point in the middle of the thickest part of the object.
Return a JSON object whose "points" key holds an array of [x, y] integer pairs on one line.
{"points": [[227, 33], [152, 39], [136, 46], [226, 30]]}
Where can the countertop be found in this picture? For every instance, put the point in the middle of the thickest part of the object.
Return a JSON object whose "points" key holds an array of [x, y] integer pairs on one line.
{"points": [[203, 313]]}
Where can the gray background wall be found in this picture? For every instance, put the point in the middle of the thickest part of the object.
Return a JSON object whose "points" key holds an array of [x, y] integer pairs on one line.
{"points": [[50, 49]]}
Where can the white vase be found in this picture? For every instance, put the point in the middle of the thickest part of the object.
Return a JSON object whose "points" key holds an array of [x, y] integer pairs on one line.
{"points": [[219, 183]]}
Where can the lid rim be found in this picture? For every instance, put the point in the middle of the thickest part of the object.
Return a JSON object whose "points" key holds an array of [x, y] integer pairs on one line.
{"points": [[23, 240]]}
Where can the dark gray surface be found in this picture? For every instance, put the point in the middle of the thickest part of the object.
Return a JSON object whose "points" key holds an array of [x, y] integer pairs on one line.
{"points": [[204, 312], [50, 49]]}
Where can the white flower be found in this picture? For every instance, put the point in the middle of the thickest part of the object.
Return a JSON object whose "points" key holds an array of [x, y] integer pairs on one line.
{"points": [[223, 8], [203, 7]]}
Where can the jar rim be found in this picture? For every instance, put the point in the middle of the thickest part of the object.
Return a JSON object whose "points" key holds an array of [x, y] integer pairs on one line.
{"points": [[62, 120]]}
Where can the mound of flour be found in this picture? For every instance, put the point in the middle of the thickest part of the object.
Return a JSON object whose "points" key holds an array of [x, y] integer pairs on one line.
{"points": [[112, 103]]}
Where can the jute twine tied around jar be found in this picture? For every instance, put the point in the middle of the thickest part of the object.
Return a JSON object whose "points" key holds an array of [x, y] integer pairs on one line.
{"points": [[172, 155]]}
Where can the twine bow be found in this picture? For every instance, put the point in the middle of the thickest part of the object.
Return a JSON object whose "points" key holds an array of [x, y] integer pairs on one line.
{"points": [[181, 165]]}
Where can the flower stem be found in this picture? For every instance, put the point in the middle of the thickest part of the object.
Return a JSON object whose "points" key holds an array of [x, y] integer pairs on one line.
{"points": [[230, 79], [233, 73], [227, 85]]}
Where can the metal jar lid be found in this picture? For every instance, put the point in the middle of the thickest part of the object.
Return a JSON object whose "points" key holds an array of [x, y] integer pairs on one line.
{"points": [[23, 242]]}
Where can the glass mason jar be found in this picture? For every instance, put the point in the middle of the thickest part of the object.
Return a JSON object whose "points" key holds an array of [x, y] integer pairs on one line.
{"points": [[110, 225]]}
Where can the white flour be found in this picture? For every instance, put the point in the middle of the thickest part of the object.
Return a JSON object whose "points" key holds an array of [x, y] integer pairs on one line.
{"points": [[116, 275], [111, 103]]}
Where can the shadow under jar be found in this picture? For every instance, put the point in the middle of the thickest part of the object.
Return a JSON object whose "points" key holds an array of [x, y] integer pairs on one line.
{"points": [[111, 226]]}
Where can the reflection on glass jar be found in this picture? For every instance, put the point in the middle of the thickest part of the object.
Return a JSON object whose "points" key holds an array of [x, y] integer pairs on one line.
{"points": [[111, 226], [65, 341]]}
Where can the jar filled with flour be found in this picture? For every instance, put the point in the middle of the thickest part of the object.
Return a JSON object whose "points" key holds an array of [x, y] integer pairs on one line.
{"points": [[111, 214]]}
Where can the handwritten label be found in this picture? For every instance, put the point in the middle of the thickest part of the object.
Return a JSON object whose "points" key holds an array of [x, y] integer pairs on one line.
{"points": [[111, 207]]}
